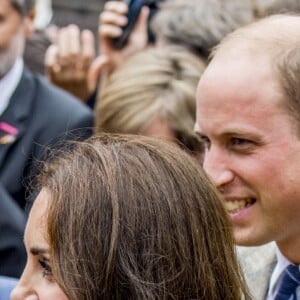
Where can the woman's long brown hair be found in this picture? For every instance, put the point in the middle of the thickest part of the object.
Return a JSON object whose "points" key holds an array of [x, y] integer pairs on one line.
{"points": [[136, 218]]}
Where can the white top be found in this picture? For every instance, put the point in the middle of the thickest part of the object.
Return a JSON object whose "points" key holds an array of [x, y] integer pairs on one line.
{"points": [[9, 83], [276, 278]]}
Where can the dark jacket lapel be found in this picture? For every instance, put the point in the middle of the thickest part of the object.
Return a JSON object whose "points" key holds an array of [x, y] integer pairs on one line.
{"points": [[18, 111]]}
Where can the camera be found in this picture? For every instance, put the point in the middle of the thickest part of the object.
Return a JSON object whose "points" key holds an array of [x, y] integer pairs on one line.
{"points": [[134, 10]]}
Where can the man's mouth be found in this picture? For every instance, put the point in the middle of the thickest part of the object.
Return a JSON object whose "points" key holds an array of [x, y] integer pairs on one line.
{"points": [[234, 206]]}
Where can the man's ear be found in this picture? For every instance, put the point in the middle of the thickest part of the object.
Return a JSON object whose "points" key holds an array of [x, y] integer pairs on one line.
{"points": [[29, 22]]}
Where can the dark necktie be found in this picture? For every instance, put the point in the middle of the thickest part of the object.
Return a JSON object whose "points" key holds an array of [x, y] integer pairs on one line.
{"points": [[290, 282]]}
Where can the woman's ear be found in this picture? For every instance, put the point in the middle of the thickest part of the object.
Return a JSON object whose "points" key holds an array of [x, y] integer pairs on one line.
{"points": [[29, 22]]}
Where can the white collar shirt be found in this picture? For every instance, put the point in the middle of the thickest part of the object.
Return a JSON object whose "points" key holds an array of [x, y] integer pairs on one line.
{"points": [[9, 83]]}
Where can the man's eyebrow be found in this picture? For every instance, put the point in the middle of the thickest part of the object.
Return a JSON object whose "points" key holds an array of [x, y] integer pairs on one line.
{"points": [[37, 251], [241, 133]]}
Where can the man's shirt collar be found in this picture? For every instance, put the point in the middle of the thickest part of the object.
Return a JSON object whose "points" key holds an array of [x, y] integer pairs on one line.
{"points": [[9, 83]]}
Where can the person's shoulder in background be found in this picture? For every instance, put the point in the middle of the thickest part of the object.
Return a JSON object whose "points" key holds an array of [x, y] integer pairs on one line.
{"points": [[6, 286]]}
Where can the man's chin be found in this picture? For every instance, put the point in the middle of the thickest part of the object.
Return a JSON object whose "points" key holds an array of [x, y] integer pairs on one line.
{"points": [[249, 240]]}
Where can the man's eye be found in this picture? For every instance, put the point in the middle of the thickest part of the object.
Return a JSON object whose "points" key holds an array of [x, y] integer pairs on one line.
{"points": [[47, 271], [240, 142]]}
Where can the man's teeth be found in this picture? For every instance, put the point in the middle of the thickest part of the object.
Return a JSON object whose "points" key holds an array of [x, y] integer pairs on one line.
{"points": [[237, 205]]}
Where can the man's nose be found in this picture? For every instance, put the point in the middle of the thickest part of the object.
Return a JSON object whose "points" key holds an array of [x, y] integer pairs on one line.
{"points": [[216, 166]]}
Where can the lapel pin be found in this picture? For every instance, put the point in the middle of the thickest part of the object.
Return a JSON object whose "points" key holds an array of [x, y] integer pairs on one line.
{"points": [[10, 132], [7, 139], [7, 128]]}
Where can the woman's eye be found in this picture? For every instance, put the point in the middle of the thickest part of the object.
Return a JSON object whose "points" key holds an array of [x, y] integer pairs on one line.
{"points": [[47, 271]]}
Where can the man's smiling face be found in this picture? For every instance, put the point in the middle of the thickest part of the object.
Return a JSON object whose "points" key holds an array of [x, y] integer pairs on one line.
{"points": [[252, 148]]}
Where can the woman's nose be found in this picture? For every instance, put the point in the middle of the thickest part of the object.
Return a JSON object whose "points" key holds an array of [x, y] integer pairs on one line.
{"points": [[22, 293], [23, 290]]}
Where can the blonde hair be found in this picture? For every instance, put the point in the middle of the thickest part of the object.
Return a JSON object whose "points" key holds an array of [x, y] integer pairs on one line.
{"points": [[155, 83], [263, 8]]}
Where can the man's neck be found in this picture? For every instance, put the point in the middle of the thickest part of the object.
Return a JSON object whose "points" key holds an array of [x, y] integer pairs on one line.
{"points": [[9, 82], [290, 250]]}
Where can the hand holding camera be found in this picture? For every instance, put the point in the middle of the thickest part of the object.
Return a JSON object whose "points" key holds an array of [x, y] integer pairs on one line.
{"points": [[119, 35], [123, 31]]}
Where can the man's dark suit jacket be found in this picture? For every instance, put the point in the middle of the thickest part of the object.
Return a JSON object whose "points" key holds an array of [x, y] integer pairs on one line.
{"points": [[42, 114]]}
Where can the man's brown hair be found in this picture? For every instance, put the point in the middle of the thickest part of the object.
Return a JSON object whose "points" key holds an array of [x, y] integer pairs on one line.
{"points": [[23, 7]]}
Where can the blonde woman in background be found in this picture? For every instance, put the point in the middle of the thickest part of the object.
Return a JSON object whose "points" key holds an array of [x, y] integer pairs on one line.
{"points": [[153, 94]]}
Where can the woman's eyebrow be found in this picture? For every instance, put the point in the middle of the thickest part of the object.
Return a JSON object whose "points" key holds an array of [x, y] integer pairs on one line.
{"points": [[37, 251]]}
